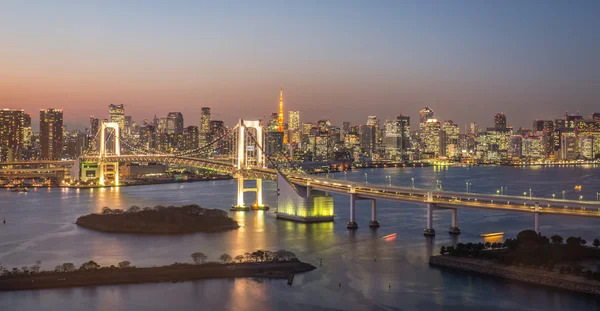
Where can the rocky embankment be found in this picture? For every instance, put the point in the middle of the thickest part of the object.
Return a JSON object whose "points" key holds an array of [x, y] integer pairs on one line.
{"points": [[528, 275], [172, 273], [159, 220]]}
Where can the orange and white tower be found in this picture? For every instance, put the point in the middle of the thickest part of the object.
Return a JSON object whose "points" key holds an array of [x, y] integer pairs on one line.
{"points": [[280, 121]]}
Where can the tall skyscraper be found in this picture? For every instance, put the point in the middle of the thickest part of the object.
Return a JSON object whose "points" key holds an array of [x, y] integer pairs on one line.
{"points": [[94, 126], [51, 133], [294, 133], [405, 132], [190, 137], [174, 123], [217, 129], [204, 135], [424, 115], [11, 134], [431, 144], [294, 119], [117, 114], [499, 121], [27, 132]]}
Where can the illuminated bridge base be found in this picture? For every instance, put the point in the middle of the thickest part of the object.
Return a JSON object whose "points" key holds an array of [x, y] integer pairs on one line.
{"points": [[299, 203]]}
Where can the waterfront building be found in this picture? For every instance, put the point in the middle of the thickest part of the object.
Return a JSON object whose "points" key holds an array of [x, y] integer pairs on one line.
{"points": [[51, 133], [431, 144], [368, 139], [392, 139], [586, 147], [532, 147], [451, 143], [12, 138], [568, 145], [515, 146]]}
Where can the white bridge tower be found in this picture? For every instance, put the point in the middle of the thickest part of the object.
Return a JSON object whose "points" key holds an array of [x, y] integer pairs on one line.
{"points": [[249, 154], [109, 170]]}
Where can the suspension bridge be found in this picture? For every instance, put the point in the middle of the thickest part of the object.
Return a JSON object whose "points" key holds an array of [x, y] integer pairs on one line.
{"points": [[303, 197]]}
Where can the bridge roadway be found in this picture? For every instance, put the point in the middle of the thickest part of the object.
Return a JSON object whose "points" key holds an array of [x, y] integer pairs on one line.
{"points": [[217, 165], [450, 200], [441, 199]]}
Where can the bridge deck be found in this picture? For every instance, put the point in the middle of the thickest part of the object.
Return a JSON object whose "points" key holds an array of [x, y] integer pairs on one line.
{"points": [[446, 199]]}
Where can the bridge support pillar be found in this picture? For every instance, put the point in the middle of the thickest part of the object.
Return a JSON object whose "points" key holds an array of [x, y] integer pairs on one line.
{"points": [[429, 229], [101, 173], [110, 170], [240, 197], [374, 223], [259, 198], [536, 218], [352, 224], [454, 229]]}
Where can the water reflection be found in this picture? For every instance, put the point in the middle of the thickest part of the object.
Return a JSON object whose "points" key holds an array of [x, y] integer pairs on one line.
{"points": [[41, 227]]}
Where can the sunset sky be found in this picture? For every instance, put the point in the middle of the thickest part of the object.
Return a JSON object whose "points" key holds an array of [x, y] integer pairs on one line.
{"points": [[343, 60]]}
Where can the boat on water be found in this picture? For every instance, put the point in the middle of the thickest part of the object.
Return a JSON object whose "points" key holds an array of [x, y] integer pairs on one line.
{"points": [[487, 235], [20, 189]]}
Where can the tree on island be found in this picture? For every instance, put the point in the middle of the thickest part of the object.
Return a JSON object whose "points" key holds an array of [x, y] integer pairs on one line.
{"points": [[124, 264], [35, 268], [596, 243], [225, 258], [134, 209], [89, 266], [199, 258], [239, 258], [573, 241], [556, 239], [67, 267], [258, 256], [443, 250], [106, 210]]}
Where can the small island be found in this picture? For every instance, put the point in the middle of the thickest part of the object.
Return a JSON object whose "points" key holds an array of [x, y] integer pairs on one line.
{"points": [[159, 220], [281, 264], [530, 258]]}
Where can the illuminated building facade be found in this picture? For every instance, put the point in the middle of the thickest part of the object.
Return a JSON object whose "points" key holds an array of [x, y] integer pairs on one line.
{"points": [[11, 134], [424, 115], [499, 121], [174, 123], [51, 133], [117, 115], [430, 138]]}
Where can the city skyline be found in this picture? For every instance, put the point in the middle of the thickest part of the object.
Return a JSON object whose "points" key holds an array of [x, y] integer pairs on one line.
{"points": [[387, 60]]}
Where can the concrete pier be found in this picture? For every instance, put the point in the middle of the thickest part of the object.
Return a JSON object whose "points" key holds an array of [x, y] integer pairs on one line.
{"points": [[454, 229], [374, 223], [429, 229], [352, 224]]}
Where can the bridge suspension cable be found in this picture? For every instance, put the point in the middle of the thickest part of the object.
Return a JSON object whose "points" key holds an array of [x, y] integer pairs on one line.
{"points": [[271, 161]]}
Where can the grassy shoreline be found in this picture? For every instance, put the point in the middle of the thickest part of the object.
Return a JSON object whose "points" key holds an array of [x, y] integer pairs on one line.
{"points": [[134, 275]]}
